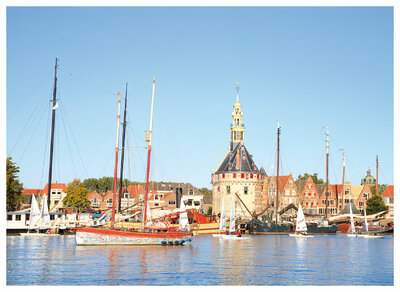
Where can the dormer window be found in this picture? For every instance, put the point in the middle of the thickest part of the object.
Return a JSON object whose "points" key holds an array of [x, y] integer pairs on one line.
{"points": [[191, 192]]}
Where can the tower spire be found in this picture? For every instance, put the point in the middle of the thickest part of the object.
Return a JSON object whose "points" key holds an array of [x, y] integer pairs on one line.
{"points": [[237, 127]]}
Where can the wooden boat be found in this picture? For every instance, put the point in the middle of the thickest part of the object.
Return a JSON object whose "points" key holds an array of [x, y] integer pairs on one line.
{"points": [[150, 234]]}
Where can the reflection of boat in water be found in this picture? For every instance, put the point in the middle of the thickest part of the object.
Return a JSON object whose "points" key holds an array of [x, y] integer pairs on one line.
{"points": [[156, 233]]}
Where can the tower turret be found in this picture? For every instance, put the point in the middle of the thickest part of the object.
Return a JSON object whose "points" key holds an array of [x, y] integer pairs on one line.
{"points": [[237, 127]]}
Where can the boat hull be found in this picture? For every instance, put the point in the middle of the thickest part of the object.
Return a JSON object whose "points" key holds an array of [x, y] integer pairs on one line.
{"points": [[100, 236], [258, 227]]}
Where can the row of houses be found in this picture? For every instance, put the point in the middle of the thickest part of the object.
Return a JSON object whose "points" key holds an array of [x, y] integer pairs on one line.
{"points": [[162, 195]]}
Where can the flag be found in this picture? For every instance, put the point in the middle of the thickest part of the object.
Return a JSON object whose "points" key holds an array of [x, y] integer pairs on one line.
{"points": [[55, 106]]}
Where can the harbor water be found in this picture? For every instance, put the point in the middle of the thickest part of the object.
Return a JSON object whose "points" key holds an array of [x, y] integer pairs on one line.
{"points": [[260, 260]]}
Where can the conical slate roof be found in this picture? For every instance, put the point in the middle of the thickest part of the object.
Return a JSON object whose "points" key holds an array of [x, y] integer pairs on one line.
{"points": [[238, 159], [346, 209]]}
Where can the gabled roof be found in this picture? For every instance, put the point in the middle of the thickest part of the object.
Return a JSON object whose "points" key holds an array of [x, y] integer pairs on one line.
{"points": [[282, 181], [56, 186], [389, 192], [238, 159], [31, 191]]}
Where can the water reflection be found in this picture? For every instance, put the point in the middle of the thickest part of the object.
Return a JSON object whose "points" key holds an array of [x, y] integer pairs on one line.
{"points": [[261, 260]]}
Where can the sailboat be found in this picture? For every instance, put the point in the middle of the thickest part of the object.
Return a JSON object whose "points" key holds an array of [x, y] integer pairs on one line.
{"points": [[352, 227], [367, 235], [301, 226], [39, 220], [222, 222], [147, 235], [183, 218], [232, 227], [33, 217]]}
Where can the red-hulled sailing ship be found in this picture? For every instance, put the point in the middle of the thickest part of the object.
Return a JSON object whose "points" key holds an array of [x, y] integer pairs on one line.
{"points": [[158, 233]]}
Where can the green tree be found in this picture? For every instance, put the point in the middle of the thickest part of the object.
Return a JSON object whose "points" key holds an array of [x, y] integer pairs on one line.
{"points": [[314, 177], [77, 196], [92, 184], [381, 189], [375, 204], [14, 187], [205, 192]]}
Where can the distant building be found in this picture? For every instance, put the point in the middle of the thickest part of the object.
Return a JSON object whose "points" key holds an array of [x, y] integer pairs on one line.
{"points": [[237, 173], [288, 193], [368, 179], [57, 195], [388, 198]]}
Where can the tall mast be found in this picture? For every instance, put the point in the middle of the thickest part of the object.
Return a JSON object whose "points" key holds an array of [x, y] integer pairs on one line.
{"points": [[116, 162], [122, 150], [53, 120], [376, 186], [277, 176], [327, 167], [148, 140], [344, 159]]}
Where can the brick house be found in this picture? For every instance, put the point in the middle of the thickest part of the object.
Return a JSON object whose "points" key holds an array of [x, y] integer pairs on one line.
{"points": [[288, 193]]}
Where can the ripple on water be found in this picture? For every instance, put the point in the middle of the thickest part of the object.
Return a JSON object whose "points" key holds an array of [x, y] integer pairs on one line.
{"points": [[261, 260]]}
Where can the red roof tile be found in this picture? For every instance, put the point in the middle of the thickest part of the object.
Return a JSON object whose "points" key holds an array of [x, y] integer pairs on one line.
{"points": [[389, 192]]}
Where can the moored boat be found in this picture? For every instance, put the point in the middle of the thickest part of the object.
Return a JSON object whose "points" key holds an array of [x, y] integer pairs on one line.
{"points": [[150, 233]]}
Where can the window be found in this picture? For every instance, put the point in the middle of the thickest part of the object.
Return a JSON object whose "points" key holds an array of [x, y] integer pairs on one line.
{"points": [[156, 204], [52, 217], [17, 217], [293, 192], [126, 195], [171, 202], [245, 190], [234, 175], [228, 189], [109, 202], [189, 202], [347, 192], [191, 191], [270, 192], [366, 196], [361, 204], [141, 197], [9, 217], [242, 175], [223, 175], [155, 197], [346, 201], [251, 175], [196, 203], [286, 192]]}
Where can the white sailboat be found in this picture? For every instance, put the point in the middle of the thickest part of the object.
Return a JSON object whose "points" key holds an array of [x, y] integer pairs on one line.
{"points": [[367, 235], [232, 224], [39, 219], [222, 222], [301, 226], [352, 227], [183, 218]]}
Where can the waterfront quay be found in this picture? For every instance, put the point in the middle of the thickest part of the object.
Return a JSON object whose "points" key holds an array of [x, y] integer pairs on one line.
{"points": [[261, 260]]}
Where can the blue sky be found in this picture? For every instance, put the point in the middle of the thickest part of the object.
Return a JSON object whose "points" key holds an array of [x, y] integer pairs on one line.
{"points": [[307, 67]]}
